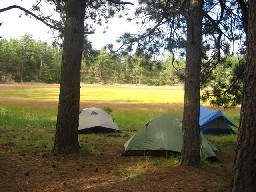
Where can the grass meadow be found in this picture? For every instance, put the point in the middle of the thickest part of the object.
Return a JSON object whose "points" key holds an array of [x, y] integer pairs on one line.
{"points": [[28, 118], [30, 111], [115, 93]]}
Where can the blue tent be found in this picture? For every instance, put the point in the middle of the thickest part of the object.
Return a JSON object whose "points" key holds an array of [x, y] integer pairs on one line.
{"points": [[214, 122]]}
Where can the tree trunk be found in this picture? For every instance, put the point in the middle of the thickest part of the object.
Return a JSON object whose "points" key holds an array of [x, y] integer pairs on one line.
{"points": [[244, 170], [191, 135], [66, 137]]}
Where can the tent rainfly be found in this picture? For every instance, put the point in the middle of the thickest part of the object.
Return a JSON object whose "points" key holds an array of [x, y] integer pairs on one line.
{"points": [[163, 136], [214, 122], [95, 120]]}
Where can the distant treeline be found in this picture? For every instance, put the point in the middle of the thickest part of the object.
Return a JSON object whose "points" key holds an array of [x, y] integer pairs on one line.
{"points": [[29, 60]]}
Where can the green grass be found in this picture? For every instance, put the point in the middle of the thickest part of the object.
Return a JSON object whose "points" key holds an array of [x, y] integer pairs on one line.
{"points": [[132, 121], [18, 116], [29, 126], [31, 93], [26, 131], [131, 94], [223, 141]]}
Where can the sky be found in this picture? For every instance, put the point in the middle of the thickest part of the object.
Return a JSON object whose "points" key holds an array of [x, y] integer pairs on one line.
{"points": [[15, 24]]}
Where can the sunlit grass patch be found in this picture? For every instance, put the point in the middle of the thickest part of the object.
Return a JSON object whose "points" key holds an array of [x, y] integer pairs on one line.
{"points": [[137, 169], [166, 162], [130, 94], [31, 93], [143, 165]]}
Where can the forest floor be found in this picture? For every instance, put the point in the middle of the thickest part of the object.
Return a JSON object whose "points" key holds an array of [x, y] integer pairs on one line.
{"points": [[107, 170]]}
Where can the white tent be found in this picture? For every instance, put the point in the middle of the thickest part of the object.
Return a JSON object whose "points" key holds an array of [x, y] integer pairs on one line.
{"points": [[95, 120]]}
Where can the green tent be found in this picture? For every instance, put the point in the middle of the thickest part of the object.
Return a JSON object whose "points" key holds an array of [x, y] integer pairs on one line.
{"points": [[163, 135]]}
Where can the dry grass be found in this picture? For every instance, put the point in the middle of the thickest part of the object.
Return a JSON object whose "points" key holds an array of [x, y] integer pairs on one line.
{"points": [[105, 93]]}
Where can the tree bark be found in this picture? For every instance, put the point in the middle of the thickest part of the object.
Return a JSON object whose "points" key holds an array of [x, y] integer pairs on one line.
{"points": [[66, 136], [244, 170], [191, 135]]}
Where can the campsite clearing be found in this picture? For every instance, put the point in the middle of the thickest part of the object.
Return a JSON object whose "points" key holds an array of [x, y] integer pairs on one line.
{"points": [[27, 128]]}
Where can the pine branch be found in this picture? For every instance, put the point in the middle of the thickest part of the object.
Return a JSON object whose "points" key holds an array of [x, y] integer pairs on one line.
{"points": [[38, 18], [30, 13], [120, 2], [244, 8]]}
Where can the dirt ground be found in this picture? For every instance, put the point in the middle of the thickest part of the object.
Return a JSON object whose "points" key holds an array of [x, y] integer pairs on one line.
{"points": [[108, 170]]}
